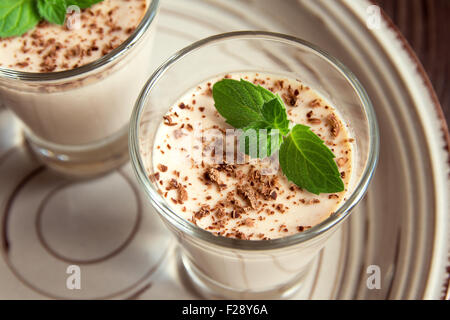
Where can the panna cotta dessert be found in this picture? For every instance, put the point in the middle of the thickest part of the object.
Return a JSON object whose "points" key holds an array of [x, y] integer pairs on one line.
{"points": [[207, 179], [253, 147], [74, 85], [94, 33]]}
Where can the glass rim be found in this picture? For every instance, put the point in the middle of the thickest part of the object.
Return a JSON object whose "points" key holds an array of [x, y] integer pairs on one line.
{"points": [[256, 245], [113, 55]]}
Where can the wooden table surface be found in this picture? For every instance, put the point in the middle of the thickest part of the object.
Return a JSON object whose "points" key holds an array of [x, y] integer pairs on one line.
{"points": [[426, 25]]}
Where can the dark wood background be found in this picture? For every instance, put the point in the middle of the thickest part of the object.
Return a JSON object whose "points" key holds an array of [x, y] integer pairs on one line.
{"points": [[426, 26]]}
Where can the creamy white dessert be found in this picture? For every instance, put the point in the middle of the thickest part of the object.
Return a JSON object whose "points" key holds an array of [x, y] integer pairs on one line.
{"points": [[239, 198], [78, 110], [50, 47]]}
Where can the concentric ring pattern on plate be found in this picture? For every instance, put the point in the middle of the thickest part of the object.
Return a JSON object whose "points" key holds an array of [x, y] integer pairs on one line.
{"points": [[402, 224]]}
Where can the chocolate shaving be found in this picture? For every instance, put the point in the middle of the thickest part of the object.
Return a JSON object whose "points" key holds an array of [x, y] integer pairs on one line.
{"points": [[203, 212], [280, 208], [168, 121], [240, 235], [213, 175], [181, 190], [220, 213], [315, 103], [290, 97], [235, 214], [248, 193], [182, 194], [334, 125], [314, 121], [273, 195], [162, 167]]}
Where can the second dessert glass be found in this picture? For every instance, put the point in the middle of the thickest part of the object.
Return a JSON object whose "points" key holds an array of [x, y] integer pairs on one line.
{"points": [[230, 268], [76, 121]]}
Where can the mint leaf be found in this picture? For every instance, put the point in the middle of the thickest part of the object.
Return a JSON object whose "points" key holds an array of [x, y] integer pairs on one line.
{"points": [[309, 163], [242, 103], [83, 4], [260, 140], [265, 94], [303, 156], [53, 11], [274, 113], [17, 17], [253, 108], [238, 102]]}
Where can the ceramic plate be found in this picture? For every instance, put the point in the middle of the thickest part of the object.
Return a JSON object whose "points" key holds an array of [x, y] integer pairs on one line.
{"points": [[49, 223]]}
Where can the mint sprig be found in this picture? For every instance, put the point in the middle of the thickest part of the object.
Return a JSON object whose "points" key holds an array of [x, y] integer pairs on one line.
{"points": [[53, 11], [308, 162], [20, 16], [268, 140], [17, 17], [273, 119], [304, 158], [274, 113], [252, 108], [239, 102]]}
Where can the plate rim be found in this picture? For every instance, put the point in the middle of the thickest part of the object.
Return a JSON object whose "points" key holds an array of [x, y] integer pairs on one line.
{"points": [[443, 158]]}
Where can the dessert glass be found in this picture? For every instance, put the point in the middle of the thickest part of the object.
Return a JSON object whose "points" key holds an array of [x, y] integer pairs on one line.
{"points": [[230, 268], [76, 121]]}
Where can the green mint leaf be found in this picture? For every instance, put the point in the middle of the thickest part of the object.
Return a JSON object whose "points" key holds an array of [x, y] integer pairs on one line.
{"points": [[239, 102], [309, 163], [53, 11], [303, 156], [274, 112], [262, 138], [252, 108], [265, 94], [242, 103], [17, 17], [83, 4], [268, 95], [259, 140]]}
